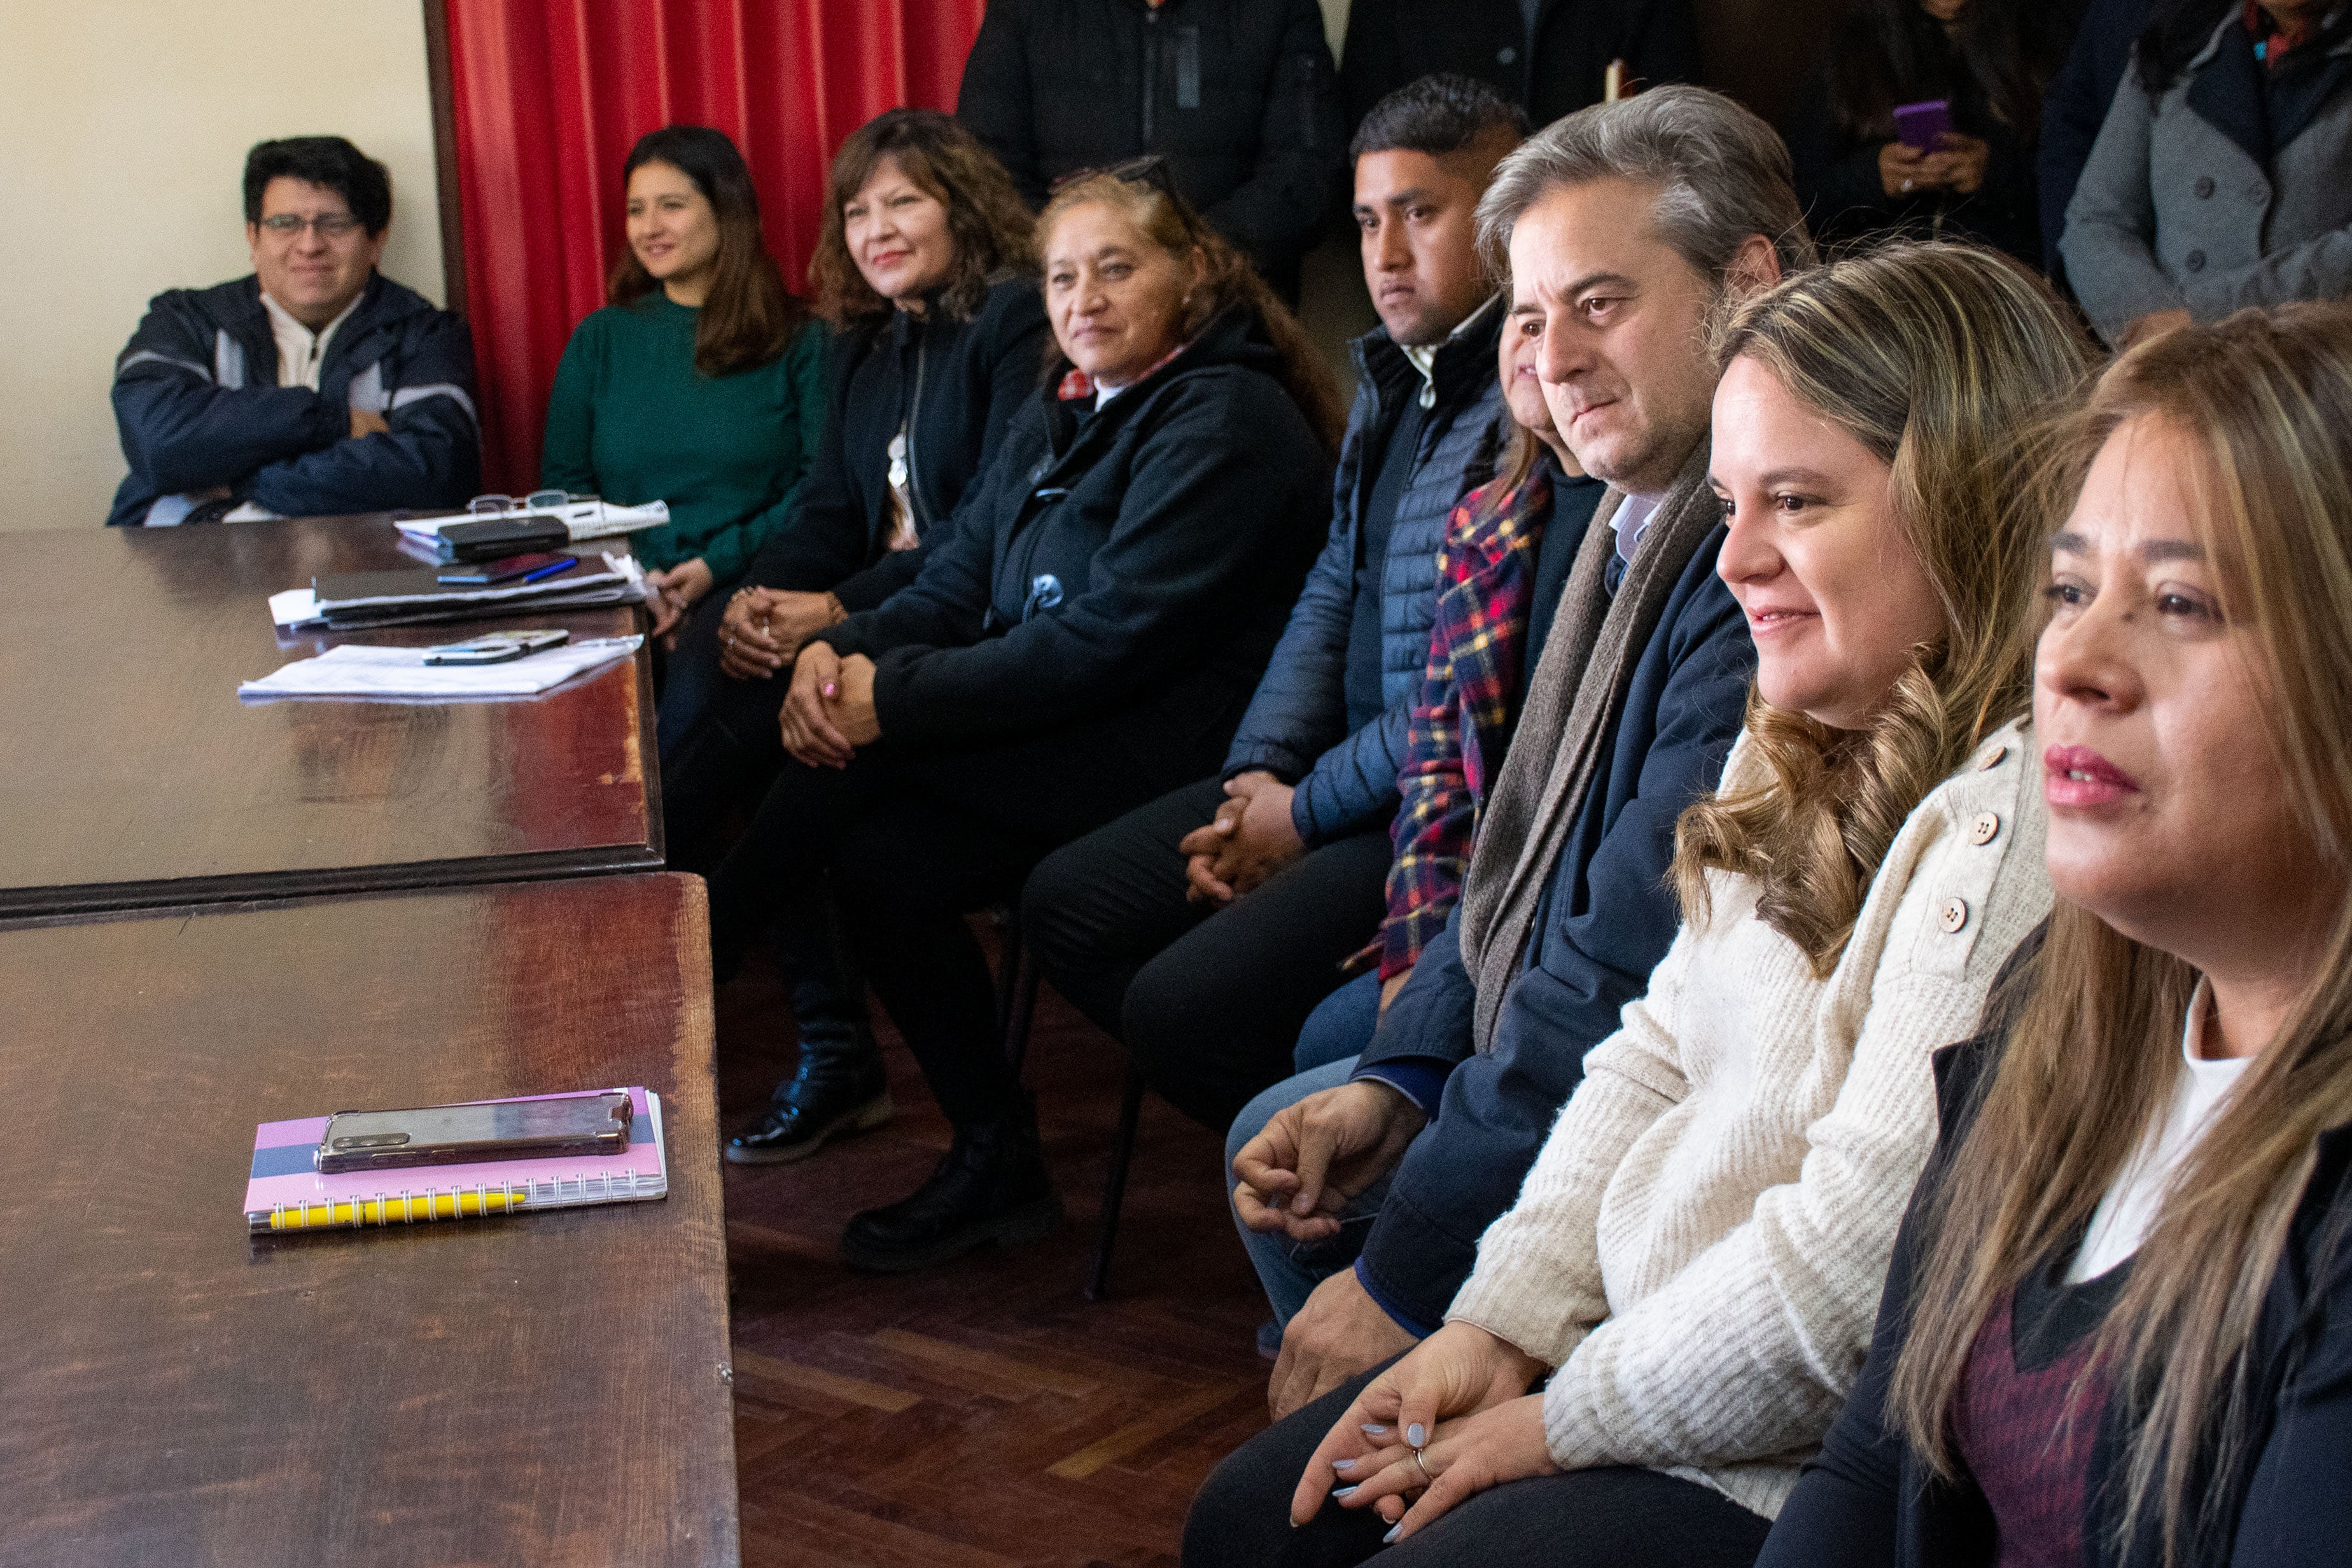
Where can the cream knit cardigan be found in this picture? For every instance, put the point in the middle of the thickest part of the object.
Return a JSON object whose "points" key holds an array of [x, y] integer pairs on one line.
{"points": [[1700, 1246]]}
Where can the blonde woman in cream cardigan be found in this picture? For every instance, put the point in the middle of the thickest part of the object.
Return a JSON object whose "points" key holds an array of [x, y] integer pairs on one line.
{"points": [[1694, 1261]]}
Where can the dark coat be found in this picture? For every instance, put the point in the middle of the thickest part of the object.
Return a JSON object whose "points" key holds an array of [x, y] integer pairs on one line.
{"points": [[2076, 106], [1557, 71], [1132, 559], [1296, 727], [1607, 920], [197, 401], [1239, 96], [1869, 1498], [954, 386]]}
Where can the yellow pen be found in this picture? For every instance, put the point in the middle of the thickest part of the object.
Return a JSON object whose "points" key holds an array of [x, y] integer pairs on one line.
{"points": [[415, 1207]]}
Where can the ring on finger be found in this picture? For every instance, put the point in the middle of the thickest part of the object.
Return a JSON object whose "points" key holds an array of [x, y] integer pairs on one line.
{"points": [[1425, 1473]]}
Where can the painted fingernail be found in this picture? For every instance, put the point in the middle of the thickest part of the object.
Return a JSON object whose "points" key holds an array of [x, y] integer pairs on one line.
{"points": [[1371, 1429], [1343, 1464], [1394, 1531], [1416, 1435], [1344, 1492]]}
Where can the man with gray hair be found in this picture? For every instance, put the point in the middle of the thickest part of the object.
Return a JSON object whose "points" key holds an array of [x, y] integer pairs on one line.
{"points": [[1624, 228]]}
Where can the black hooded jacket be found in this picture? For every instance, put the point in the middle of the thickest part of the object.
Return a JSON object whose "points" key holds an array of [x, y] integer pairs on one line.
{"points": [[1136, 558]]}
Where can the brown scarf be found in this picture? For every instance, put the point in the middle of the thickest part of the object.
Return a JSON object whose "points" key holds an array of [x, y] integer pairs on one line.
{"points": [[1573, 705]]}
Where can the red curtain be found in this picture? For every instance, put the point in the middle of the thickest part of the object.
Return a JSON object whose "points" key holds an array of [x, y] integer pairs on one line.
{"points": [[547, 95]]}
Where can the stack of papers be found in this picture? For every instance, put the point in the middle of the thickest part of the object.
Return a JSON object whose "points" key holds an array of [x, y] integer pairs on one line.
{"points": [[357, 600], [586, 519], [357, 670]]}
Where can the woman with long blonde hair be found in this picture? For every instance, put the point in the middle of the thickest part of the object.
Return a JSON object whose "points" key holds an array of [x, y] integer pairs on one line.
{"points": [[1694, 1258], [2118, 1329]]}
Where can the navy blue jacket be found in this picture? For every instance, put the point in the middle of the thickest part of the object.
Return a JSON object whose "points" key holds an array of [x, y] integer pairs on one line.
{"points": [[954, 386], [2075, 105], [197, 401], [1606, 920], [1297, 726], [1869, 1498], [1131, 560]]}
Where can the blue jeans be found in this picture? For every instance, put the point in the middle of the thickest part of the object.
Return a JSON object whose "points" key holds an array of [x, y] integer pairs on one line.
{"points": [[1335, 1034]]}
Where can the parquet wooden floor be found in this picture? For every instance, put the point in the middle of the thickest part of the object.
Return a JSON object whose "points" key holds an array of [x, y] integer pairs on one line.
{"points": [[983, 1414]]}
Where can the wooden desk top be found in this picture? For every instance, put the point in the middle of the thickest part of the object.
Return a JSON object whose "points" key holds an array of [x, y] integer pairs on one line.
{"points": [[132, 777], [550, 1389]]}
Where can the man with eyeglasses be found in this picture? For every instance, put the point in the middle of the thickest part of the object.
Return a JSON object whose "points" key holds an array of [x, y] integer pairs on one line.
{"points": [[314, 386]]}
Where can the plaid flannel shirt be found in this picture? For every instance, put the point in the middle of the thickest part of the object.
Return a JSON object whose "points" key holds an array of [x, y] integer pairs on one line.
{"points": [[1463, 714]]}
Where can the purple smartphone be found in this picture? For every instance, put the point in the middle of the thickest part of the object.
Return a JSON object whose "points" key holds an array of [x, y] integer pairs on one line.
{"points": [[1924, 125]]}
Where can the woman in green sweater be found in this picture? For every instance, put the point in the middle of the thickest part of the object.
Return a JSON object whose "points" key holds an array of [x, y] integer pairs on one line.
{"points": [[702, 384]]}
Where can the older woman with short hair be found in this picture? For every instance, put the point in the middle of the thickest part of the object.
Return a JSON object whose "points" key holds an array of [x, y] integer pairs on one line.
{"points": [[1693, 1260]]}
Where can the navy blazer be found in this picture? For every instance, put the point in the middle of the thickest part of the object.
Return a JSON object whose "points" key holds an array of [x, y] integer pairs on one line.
{"points": [[1607, 919]]}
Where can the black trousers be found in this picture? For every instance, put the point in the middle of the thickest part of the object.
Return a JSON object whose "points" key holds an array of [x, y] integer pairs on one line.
{"points": [[910, 842], [690, 676], [1208, 1002], [1614, 1518]]}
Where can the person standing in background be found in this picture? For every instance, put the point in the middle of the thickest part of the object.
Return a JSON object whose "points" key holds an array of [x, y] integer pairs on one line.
{"points": [[2219, 179], [1989, 61], [702, 384], [315, 386], [1239, 97], [2074, 107], [1549, 57]]}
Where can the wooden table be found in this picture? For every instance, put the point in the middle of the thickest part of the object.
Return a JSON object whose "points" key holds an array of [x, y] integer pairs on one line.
{"points": [[552, 1389], [132, 775]]}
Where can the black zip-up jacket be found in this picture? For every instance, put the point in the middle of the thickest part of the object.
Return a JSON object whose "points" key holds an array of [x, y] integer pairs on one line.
{"points": [[1239, 96], [1551, 70], [197, 401], [1135, 560], [954, 386], [1869, 1498]]}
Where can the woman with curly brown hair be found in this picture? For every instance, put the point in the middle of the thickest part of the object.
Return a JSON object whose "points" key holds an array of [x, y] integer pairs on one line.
{"points": [[927, 268]]}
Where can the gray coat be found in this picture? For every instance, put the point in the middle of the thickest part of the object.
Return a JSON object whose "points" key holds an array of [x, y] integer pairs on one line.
{"points": [[2172, 213]]}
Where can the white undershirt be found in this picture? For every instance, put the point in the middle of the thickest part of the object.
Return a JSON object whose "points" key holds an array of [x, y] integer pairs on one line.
{"points": [[2129, 1209], [301, 351]]}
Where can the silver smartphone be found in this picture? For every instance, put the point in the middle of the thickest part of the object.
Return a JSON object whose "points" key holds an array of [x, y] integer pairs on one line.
{"points": [[497, 647], [466, 1134]]}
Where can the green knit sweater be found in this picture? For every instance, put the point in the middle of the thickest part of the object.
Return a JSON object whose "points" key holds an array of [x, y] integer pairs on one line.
{"points": [[633, 421]]}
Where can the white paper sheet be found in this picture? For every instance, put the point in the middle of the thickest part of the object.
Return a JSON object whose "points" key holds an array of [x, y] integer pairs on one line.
{"points": [[367, 672]]}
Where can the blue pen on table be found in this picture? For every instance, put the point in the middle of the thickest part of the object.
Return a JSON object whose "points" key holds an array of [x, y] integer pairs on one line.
{"points": [[551, 569]]}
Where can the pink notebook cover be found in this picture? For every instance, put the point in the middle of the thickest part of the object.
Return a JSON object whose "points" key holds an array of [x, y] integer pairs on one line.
{"points": [[284, 1176]]}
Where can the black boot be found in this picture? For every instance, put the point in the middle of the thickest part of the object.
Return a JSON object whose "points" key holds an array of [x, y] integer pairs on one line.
{"points": [[839, 1090], [991, 1186]]}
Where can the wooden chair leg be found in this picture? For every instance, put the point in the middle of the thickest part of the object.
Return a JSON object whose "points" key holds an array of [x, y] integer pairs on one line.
{"points": [[1017, 1000], [1130, 1112]]}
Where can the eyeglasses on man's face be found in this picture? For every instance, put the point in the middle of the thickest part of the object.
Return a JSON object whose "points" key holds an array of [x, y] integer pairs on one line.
{"points": [[331, 226]]}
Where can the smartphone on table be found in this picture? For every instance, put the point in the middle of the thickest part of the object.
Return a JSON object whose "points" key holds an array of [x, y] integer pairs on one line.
{"points": [[468, 1134], [497, 647], [528, 568]]}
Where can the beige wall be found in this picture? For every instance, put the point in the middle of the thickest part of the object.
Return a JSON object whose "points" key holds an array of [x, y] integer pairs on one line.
{"points": [[124, 129]]}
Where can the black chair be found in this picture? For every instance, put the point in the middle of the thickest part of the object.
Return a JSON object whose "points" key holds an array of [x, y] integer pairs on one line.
{"points": [[1016, 1007]]}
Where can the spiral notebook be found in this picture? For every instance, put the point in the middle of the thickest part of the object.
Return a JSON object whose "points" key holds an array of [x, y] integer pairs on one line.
{"points": [[286, 1192]]}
